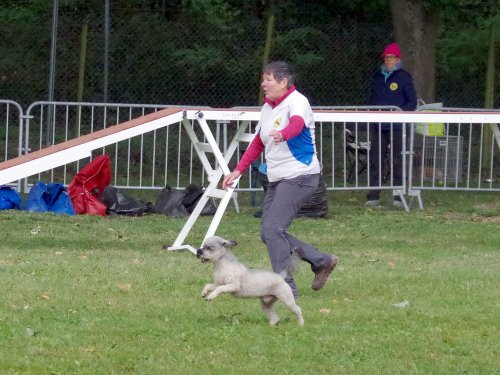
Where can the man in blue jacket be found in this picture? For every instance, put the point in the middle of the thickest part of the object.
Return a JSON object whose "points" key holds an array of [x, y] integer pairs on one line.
{"points": [[391, 85]]}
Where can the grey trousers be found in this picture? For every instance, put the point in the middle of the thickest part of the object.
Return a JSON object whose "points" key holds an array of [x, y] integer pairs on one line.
{"points": [[282, 201]]}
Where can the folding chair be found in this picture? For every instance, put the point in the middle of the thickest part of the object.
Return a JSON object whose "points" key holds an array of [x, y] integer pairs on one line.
{"points": [[357, 154]]}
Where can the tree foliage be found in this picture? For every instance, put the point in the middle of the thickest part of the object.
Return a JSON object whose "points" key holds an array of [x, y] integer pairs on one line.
{"points": [[209, 52]]}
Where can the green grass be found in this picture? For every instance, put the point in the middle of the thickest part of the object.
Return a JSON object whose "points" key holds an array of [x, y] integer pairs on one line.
{"points": [[91, 295]]}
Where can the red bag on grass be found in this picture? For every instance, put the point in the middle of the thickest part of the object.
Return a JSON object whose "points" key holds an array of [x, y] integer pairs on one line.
{"points": [[88, 185]]}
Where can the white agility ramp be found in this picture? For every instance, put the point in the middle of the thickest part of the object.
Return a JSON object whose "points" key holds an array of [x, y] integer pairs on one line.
{"points": [[214, 173]]}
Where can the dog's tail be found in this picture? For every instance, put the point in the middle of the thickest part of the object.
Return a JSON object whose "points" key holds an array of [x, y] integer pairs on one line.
{"points": [[296, 260], [294, 264]]}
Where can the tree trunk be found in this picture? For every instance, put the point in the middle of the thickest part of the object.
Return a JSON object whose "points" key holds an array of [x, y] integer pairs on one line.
{"points": [[492, 130], [416, 32], [490, 70], [268, 43], [83, 58]]}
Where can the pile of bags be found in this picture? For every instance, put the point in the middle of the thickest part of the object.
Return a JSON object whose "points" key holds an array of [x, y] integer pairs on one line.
{"points": [[90, 194]]}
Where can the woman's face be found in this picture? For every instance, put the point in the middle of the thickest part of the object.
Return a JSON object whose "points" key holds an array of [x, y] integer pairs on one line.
{"points": [[390, 61], [273, 89]]}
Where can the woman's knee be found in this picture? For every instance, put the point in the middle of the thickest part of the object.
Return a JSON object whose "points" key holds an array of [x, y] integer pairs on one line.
{"points": [[270, 231]]}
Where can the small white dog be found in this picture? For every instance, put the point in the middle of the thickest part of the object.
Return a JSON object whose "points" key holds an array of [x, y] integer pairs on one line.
{"points": [[230, 276]]}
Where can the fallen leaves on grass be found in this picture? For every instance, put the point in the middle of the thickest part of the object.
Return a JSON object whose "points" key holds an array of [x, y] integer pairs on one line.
{"points": [[29, 332], [124, 287], [402, 305], [118, 234], [460, 216], [487, 219]]}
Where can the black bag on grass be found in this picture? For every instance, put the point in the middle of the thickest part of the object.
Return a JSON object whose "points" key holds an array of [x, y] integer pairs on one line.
{"points": [[180, 203], [119, 204], [169, 202], [192, 195], [316, 206]]}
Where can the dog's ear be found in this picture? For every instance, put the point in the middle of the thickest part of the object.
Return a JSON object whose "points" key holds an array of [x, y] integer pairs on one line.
{"points": [[230, 243]]}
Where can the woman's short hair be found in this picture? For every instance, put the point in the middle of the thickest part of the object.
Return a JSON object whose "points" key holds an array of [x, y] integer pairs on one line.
{"points": [[280, 70]]}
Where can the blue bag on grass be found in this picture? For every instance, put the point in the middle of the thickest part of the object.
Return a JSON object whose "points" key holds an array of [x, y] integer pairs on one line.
{"points": [[60, 201], [35, 200], [9, 198], [48, 198]]}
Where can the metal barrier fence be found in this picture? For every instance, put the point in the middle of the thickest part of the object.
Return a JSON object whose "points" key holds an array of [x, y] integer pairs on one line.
{"points": [[455, 160], [11, 131], [455, 156]]}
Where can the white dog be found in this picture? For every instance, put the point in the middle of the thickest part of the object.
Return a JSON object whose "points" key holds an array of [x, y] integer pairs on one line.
{"points": [[230, 276]]}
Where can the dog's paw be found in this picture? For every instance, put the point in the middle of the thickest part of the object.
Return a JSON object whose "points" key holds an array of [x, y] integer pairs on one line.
{"points": [[274, 321], [210, 297], [207, 289]]}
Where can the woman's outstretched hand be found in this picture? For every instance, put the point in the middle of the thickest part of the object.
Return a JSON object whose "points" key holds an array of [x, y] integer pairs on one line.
{"points": [[229, 179]]}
